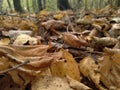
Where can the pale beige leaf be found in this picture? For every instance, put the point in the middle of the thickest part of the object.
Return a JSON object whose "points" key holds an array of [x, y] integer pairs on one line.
{"points": [[50, 83], [23, 39], [77, 85]]}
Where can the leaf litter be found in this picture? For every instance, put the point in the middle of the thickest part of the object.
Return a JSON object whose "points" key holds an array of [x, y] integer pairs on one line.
{"points": [[60, 50]]}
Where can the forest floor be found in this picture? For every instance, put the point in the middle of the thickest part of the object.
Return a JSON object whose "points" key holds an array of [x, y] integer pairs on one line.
{"points": [[61, 50]]}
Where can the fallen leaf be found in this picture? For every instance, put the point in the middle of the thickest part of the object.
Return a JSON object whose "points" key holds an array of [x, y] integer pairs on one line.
{"points": [[110, 67], [25, 39], [55, 24], [90, 69], [58, 69], [73, 40], [77, 85], [71, 66], [50, 83], [4, 41]]}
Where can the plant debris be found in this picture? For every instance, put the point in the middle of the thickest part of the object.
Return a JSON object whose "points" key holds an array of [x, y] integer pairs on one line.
{"points": [[60, 51]]}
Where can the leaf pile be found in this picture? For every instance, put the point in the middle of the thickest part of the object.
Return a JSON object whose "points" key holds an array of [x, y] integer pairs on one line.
{"points": [[61, 50]]}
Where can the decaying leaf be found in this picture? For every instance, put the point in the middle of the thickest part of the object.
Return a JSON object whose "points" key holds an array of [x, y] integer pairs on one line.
{"points": [[90, 69], [56, 24], [48, 67], [14, 33], [18, 23], [6, 83], [15, 77], [115, 30], [37, 55], [73, 40], [105, 41], [50, 83], [109, 69], [91, 34]]}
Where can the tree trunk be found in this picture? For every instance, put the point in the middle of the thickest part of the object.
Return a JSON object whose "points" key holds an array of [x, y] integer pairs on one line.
{"points": [[63, 4], [34, 5], [1, 6], [9, 4], [44, 3], [40, 7], [118, 3], [27, 3], [17, 6]]}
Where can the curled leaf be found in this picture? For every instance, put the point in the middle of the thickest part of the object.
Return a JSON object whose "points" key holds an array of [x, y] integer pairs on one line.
{"points": [[73, 40]]}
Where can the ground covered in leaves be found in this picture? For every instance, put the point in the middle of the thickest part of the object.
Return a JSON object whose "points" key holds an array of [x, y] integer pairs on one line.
{"points": [[62, 50]]}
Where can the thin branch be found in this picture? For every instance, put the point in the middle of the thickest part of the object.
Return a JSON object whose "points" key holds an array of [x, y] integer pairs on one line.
{"points": [[15, 67]]}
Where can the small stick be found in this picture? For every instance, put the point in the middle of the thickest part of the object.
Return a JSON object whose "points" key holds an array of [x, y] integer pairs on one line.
{"points": [[15, 67]]}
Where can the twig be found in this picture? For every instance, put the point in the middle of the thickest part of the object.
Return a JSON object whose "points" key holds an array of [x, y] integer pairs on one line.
{"points": [[15, 67]]}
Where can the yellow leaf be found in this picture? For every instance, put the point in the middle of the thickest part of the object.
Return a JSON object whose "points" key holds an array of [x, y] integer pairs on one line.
{"points": [[71, 66], [58, 69], [58, 16], [44, 13], [4, 41]]}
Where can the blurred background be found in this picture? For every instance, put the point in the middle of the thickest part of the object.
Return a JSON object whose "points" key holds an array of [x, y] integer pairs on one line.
{"points": [[35, 6]]}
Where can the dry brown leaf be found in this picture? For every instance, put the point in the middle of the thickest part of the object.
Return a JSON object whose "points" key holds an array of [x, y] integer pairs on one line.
{"points": [[15, 77], [90, 70], [109, 69], [6, 83], [115, 30], [73, 40], [105, 41], [71, 66], [37, 55], [4, 63], [18, 23], [91, 34], [55, 24]]}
